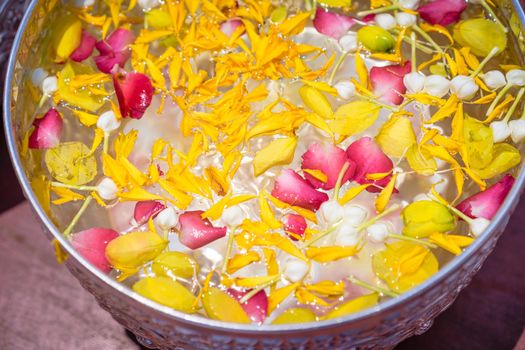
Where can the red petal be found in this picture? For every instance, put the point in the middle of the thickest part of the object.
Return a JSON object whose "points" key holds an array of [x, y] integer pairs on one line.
{"points": [[329, 159], [196, 232], [256, 307], [228, 27], [332, 24], [85, 49], [291, 188], [387, 82], [442, 12], [369, 159], [295, 224], [114, 50], [486, 203], [91, 244], [47, 130], [145, 210], [134, 92]]}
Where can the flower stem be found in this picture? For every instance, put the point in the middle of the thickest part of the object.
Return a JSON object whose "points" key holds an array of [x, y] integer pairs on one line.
{"points": [[419, 46], [378, 10], [411, 239], [83, 208], [342, 173], [254, 291], [515, 104], [491, 54], [336, 67], [380, 104], [493, 15], [373, 288], [322, 235], [229, 247], [413, 51], [73, 187], [427, 38], [373, 220], [105, 146], [498, 97]]}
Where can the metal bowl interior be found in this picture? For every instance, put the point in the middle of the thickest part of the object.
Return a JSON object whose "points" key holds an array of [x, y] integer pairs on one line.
{"points": [[157, 326]]}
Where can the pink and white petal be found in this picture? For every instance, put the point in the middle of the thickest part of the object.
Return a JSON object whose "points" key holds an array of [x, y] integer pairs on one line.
{"points": [[256, 307], [329, 159], [91, 244], [387, 82], [295, 224], [369, 159], [230, 26], [47, 131], [332, 24], [85, 49], [485, 204], [442, 12], [134, 93], [291, 188], [108, 63], [196, 232], [145, 210]]}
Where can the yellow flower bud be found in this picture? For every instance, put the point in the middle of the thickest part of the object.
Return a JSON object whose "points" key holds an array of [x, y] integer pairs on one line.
{"points": [[424, 218]]}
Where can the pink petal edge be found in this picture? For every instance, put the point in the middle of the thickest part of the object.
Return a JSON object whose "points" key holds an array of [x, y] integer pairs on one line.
{"points": [[442, 12], [332, 24], [256, 307], [134, 93], [387, 82], [369, 159], [85, 49], [291, 188], [330, 160], [47, 131], [230, 26], [91, 244], [295, 224], [145, 210], [485, 204], [196, 232]]}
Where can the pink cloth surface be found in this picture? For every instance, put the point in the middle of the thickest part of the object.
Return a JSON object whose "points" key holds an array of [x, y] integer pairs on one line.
{"points": [[42, 306]]}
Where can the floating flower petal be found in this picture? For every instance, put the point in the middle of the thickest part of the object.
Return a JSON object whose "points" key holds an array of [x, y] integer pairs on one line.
{"points": [[85, 49], [442, 12], [369, 159], [134, 92], [256, 307], [486, 203], [332, 24], [196, 232], [387, 82], [47, 130], [291, 188], [145, 210], [329, 159], [295, 225], [91, 244], [114, 50]]}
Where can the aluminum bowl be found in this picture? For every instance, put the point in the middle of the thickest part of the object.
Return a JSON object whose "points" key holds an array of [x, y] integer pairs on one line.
{"points": [[156, 326]]}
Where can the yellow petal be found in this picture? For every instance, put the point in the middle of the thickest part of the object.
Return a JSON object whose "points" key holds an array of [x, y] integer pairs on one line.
{"points": [[352, 306], [354, 117], [279, 295], [316, 101], [277, 152], [329, 254], [304, 297], [384, 197], [396, 136], [351, 193], [239, 261]]}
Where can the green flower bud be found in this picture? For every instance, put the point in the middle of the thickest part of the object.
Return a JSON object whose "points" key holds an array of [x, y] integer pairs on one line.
{"points": [[376, 39]]}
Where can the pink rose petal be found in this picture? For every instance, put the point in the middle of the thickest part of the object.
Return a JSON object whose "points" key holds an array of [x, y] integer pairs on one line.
{"points": [[330, 160], [47, 131], [85, 49], [332, 24], [196, 232], [230, 26], [369, 159], [114, 50], [291, 188], [145, 210], [256, 307], [294, 224], [486, 203], [134, 92], [387, 82], [91, 244], [442, 12]]}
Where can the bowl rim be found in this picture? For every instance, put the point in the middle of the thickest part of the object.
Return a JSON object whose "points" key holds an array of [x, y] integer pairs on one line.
{"points": [[199, 321]]}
